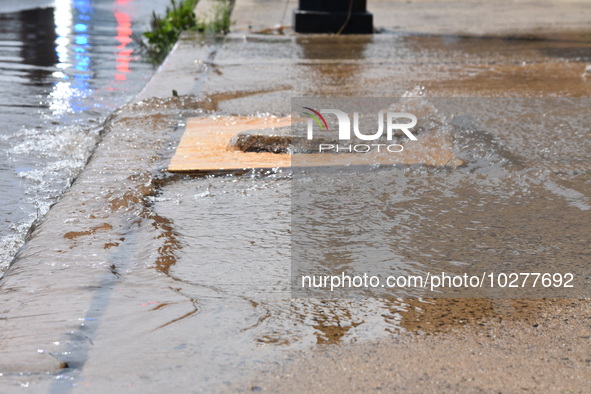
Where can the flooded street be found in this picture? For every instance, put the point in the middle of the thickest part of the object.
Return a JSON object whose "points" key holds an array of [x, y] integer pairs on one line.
{"points": [[63, 69], [142, 280]]}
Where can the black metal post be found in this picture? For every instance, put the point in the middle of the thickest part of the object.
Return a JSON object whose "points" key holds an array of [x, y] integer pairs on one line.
{"points": [[333, 16]]}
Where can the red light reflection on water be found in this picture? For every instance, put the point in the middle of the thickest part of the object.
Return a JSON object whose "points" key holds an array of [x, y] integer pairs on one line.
{"points": [[124, 32]]}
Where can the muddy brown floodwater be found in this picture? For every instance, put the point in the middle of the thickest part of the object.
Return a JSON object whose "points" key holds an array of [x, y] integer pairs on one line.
{"points": [[162, 281]]}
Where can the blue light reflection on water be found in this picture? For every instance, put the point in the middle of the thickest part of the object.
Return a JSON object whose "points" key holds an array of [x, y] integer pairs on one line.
{"points": [[63, 71], [71, 25]]}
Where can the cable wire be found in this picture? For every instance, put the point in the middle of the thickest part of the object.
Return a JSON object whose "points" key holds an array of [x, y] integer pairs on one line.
{"points": [[347, 20]]}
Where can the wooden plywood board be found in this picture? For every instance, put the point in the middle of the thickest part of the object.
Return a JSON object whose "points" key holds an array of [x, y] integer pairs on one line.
{"points": [[203, 148]]}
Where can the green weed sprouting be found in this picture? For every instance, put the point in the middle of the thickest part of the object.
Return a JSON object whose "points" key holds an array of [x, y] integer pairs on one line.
{"points": [[220, 22], [180, 16]]}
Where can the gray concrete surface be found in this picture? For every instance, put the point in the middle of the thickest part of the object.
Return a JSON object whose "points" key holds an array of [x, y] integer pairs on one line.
{"points": [[467, 17]]}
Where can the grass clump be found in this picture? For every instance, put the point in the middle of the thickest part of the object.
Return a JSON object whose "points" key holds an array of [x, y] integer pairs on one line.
{"points": [[165, 30], [220, 21], [180, 16]]}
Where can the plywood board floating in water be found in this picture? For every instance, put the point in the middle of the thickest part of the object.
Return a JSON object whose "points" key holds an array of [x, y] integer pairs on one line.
{"points": [[204, 148]]}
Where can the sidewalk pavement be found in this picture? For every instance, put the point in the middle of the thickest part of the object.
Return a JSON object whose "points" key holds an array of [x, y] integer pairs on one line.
{"points": [[248, 74], [423, 47], [456, 17]]}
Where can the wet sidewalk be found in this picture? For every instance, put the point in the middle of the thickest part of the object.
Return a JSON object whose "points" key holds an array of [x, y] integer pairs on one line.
{"points": [[139, 280]]}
